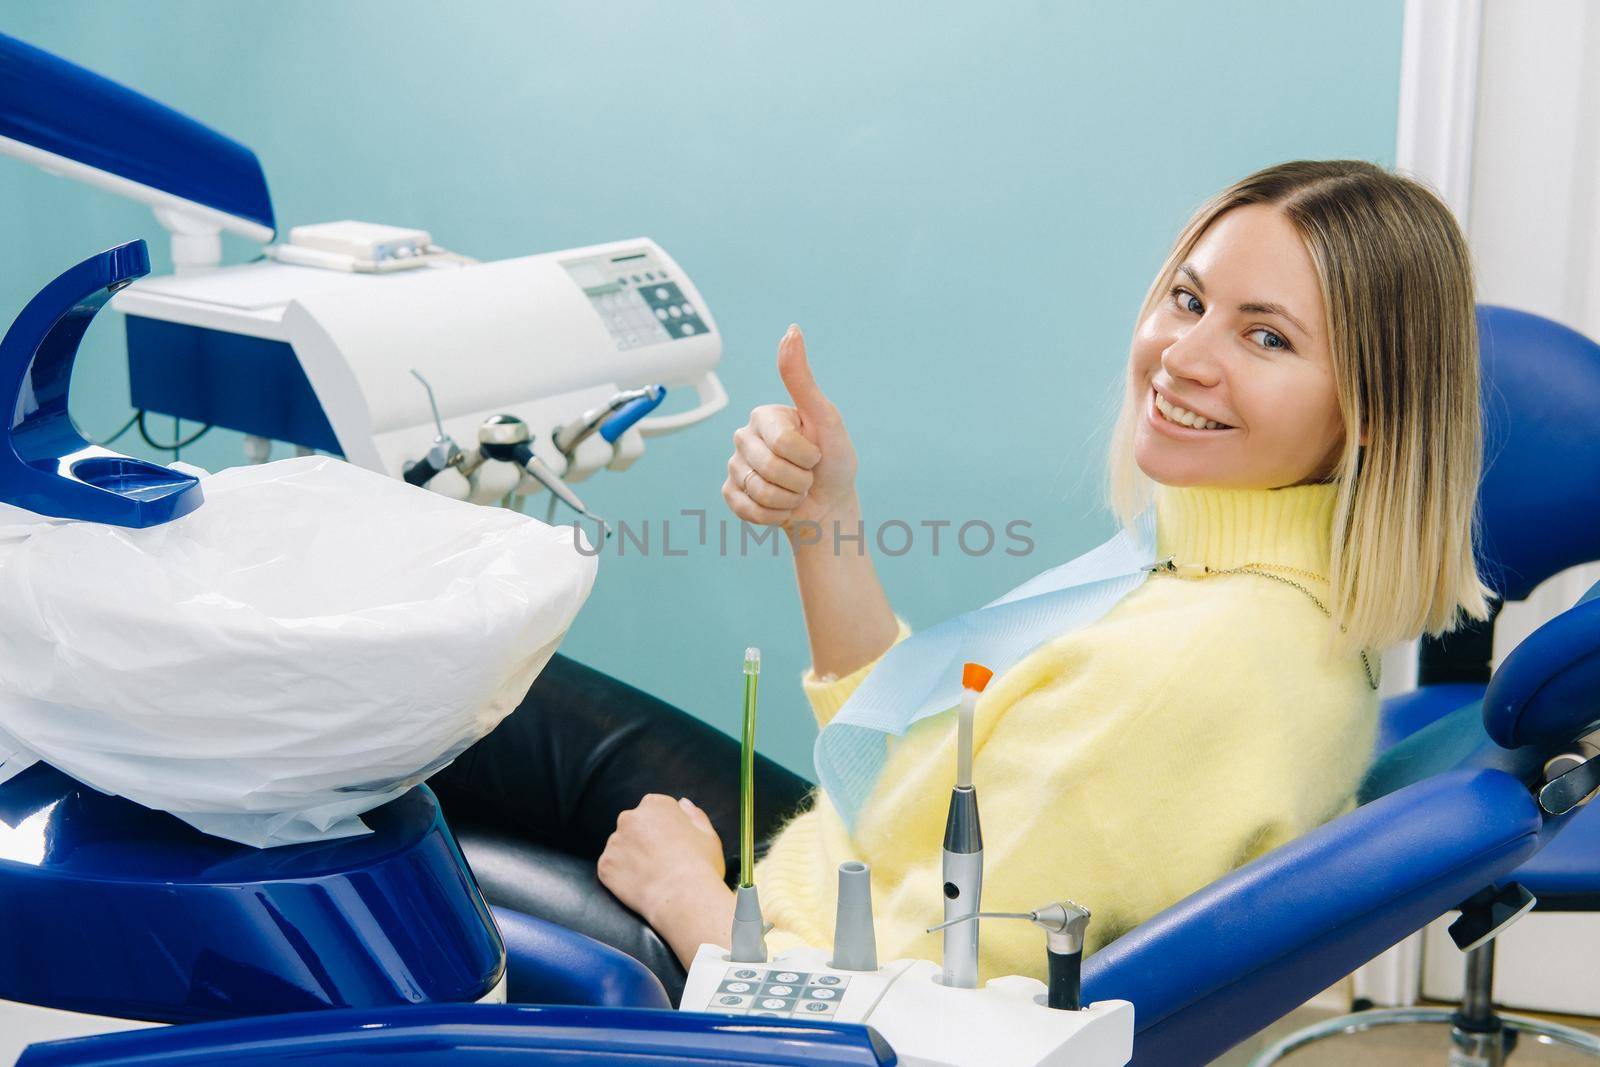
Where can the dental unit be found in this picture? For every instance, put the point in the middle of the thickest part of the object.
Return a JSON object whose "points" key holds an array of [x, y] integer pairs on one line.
{"points": [[318, 343]]}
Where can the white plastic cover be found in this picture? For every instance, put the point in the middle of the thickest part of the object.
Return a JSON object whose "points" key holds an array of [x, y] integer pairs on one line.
{"points": [[310, 643]]}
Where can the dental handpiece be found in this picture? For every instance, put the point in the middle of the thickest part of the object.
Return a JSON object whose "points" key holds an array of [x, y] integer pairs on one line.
{"points": [[963, 845], [567, 438], [443, 453], [506, 438], [1065, 926]]}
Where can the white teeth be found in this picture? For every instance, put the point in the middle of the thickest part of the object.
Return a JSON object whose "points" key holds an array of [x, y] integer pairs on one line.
{"points": [[1183, 416]]}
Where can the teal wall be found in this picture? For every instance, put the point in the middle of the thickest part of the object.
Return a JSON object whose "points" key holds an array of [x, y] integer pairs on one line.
{"points": [[960, 202]]}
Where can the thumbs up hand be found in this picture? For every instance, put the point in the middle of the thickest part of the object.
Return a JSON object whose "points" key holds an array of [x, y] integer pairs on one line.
{"points": [[792, 464]]}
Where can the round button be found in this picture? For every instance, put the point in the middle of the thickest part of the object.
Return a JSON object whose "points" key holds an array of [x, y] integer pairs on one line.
{"points": [[828, 979], [687, 310], [728, 1000], [820, 994], [661, 313], [780, 990], [676, 313], [738, 987], [815, 1006], [745, 973], [687, 328], [662, 294], [772, 1003], [787, 976]]}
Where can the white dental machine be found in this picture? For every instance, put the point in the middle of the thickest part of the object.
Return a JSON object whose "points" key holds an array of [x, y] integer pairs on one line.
{"points": [[488, 381], [931, 1014], [392, 362]]}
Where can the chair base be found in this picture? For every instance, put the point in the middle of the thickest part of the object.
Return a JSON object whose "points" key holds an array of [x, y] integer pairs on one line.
{"points": [[1468, 1048]]}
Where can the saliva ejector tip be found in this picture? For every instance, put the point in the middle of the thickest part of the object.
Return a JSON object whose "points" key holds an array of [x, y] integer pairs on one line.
{"points": [[752, 660]]}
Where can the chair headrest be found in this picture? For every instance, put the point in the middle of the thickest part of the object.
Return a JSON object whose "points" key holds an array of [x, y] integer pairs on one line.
{"points": [[1539, 499], [1547, 692]]}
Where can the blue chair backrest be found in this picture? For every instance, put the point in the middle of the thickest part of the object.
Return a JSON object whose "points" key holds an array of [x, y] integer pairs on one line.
{"points": [[1540, 386], [1540, 494]]}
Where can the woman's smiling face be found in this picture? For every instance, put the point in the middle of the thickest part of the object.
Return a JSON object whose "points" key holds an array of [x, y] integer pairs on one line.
{"points": [[1232, 367]]}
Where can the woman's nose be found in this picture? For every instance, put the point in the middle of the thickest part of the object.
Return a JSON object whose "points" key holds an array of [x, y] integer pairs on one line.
{"points": [[1189, 355]]}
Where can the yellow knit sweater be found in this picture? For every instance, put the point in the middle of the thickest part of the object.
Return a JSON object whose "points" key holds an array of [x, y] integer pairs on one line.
{"points": [[1198, 724]]}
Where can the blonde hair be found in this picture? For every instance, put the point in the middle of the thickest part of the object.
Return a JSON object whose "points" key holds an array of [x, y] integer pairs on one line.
{"points": [[1396, 281]]}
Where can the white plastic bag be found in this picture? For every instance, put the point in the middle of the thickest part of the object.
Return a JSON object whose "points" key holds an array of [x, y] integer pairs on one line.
{"points": [[311, 642]]}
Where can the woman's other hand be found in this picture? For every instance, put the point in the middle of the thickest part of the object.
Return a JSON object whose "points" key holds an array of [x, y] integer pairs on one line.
{"points": [[664, 859], [792, 464]]}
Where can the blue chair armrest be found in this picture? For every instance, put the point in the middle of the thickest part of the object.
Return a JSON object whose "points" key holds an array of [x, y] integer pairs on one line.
{"points": [[493, 1035], [549, 964], [1565, 875], [1226, 961]]}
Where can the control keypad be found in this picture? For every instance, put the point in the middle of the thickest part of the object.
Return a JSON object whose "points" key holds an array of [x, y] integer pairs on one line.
{"points": [[759, 989]]}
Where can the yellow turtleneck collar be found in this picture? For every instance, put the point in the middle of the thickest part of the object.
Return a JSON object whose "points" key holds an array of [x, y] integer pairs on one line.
{"points": [[1226, 528]]}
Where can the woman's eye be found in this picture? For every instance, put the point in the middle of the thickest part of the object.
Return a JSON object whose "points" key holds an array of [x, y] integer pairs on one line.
{"points": [[1267, 339], [1187, 301]]}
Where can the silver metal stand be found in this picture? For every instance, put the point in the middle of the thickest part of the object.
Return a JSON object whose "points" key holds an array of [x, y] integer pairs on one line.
{"points": [[1478, 1036]]}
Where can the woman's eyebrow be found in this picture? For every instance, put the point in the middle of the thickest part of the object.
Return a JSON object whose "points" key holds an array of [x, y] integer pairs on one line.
{"points": [[1254, 309], [1274, 309]]}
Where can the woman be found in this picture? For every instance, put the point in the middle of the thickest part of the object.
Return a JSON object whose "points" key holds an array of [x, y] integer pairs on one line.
{"points": [[1302, 409]]}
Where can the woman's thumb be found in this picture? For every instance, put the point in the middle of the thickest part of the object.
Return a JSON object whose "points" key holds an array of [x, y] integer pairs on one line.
{"points": [[795, 370]]}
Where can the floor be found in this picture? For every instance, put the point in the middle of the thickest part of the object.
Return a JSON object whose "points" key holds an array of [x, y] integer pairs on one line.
{"points": [[1410, 1046]]}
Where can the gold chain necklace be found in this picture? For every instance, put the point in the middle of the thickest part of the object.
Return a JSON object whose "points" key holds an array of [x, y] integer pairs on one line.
{"points": [[1265, 570]]}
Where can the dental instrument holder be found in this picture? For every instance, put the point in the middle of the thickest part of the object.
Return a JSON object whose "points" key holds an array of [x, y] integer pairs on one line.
{"points": [[927, 1019], [46, 466], [855, 939], [963, 887]]}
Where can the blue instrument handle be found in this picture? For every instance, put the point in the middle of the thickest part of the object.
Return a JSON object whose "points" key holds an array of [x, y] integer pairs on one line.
{"points": [[630, 413]]}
